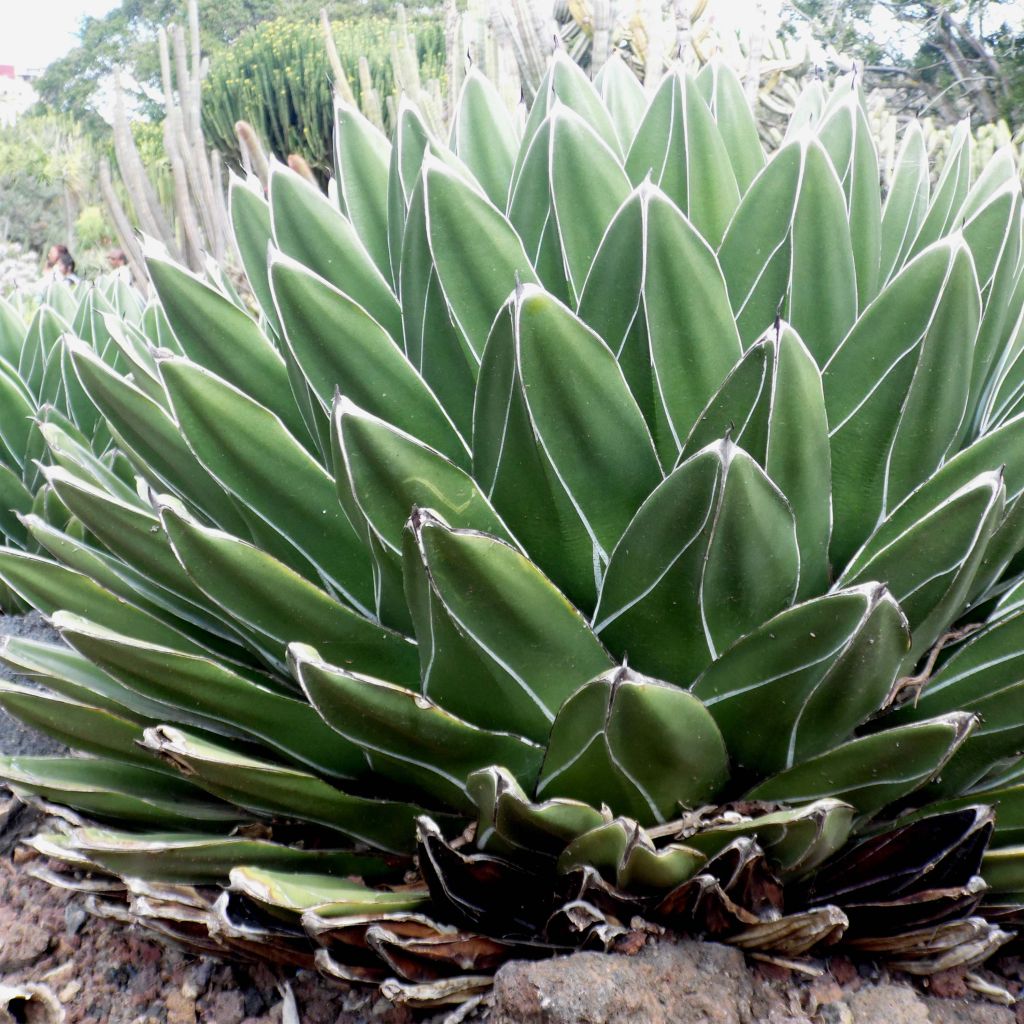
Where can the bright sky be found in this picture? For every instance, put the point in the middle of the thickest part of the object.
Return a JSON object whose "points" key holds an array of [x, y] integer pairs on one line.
{"points": [[35, 32]]}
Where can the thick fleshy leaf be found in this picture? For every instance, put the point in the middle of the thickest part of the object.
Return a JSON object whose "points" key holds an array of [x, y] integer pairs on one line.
{"points": [[873, 771], [250, 223], [802, 682], [984, 676], [112, 791], [193, 858], [679, 148], [94, 730], [405, 737], [215, 332], [362, 153], [477, 255], [581, 216], [896, 389], [906, 202], [716, 529], [787, 251], [274, 606], [929, 563], [723, 93], [484, 135], [544, 376], [593, 754], [251, 453], [273, 789], [385, 473], [309, 228], [145, 432], [846, 135], [213, 697], [950, 191], [509, 820], [796, 840], [623, 97], [339, 346], [537, 647]]}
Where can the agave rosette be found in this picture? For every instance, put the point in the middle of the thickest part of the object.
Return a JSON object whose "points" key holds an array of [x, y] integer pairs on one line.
{"points": [[576, 523]]}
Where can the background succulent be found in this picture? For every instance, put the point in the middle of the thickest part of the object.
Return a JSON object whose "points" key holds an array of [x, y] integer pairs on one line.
{"points": [[616, 520]]}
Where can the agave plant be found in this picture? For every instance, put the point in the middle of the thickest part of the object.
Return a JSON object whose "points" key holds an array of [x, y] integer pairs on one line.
{"points": [[596, 522]]}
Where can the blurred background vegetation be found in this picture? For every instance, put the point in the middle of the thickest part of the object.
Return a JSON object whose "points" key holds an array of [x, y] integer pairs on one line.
{"points": [[137, 126]]}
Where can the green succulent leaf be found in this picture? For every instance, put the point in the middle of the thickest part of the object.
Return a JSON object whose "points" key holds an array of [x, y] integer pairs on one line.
{"points": [[592, 754], [678, 147], [723, 93], [362, 153], [872, 771], [717, 529], [896, 389], [308, 228], [802, 682], [406, 737], [535, 644]]}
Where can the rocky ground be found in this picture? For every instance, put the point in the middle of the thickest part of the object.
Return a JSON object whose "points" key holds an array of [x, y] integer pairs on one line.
{"points": [[59, 963]]}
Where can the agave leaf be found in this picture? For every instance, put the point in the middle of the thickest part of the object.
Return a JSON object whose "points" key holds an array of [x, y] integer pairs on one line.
{"points": [[94, 730], [273, 605], [114, 791], [339, 346], [984, 677], [553, 354], [411, 138], [250, 223], [277, 479], [43, 333], [16, 412], [15, 502], [362, 153], [201, 692], [716, 528], [477, 255], [787, 251], [592, 755], [77, 458], [772, 405], [678, 146], [530, 208], [149, 437], [802, 682], [484, 135], [723, 93], [929, 563], [896, 389], [509, 820], [623, 97], [269, 788], [581, 216], [872, 771], [69, 674], [436, 347], [132, 533], [383, 473], [48, 587], [12, 332], [309, 228], [950, 191], [846, 135], [189, 858], [693, 337], [216, 333], [406, 737], [533, 642], [796, 840], [296, 892]]}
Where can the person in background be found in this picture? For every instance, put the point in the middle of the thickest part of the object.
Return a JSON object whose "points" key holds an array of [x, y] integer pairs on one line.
{"points": [[52, 271], [118, 263], [65, 270]]}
